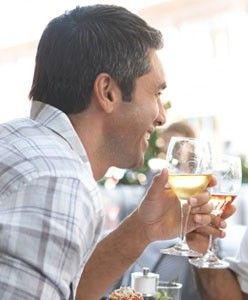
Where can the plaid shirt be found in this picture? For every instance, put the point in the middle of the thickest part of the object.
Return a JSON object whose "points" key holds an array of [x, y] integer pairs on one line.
{"points": [[50, 211]]}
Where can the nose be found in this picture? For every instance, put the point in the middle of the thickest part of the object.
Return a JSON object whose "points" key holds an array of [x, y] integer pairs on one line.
{"points": [[161, 118]]}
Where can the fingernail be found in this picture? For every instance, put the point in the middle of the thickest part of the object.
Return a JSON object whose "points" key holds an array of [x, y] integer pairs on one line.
{"points": [[223, 224], [198, 218], [193, 201]]}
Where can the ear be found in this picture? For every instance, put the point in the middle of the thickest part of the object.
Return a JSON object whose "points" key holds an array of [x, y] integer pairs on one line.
{"points": [[106, 92]]}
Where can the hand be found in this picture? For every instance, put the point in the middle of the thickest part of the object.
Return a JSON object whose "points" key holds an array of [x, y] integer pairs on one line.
{"points": [[198, 239], [160, 211]]}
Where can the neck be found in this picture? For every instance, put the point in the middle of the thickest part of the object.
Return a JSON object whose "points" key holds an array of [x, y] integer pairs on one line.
{"points": [[91, 137]]}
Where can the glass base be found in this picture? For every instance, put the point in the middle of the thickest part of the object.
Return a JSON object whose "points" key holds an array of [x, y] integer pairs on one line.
{"points": [[181, 249], [209, 261]]}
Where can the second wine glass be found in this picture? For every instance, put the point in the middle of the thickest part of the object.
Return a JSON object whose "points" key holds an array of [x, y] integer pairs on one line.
{"points": [[189, 164], [228, 172]]}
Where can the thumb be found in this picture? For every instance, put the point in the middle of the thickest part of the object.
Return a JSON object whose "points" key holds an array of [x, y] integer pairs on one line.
{"points": [[160, 181]]}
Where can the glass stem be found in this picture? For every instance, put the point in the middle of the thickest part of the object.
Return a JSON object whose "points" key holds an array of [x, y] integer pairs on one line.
{"points": [[210, 244], [210, 256], [185, 211]]}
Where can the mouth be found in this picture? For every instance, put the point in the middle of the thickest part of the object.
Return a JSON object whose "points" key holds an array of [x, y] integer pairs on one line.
{"points": [[147, 136]]}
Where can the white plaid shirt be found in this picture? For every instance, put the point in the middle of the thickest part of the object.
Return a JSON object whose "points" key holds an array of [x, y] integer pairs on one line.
{"points": [[50, 212]]}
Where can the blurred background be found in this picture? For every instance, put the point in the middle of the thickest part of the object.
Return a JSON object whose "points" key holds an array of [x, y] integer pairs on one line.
{"points": [[205, 60]]}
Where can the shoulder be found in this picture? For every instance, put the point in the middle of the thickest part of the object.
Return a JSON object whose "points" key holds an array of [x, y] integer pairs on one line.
{"points": [[29, 150]]}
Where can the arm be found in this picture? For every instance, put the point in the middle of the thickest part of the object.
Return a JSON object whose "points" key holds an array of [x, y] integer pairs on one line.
{"points": [[213, 283], [218, 284], [112, 257], [36, 240], [158, 217]]}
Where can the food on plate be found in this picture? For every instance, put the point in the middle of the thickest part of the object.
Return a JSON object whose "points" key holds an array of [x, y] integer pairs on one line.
{"points": [[125, 293]]}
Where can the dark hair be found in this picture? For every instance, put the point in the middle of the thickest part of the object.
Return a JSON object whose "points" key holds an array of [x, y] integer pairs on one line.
{"points": [[84, 42]]}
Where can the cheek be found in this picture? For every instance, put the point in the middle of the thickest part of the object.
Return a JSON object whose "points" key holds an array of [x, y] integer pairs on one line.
{"points": [[138, 119], [150, 112]]}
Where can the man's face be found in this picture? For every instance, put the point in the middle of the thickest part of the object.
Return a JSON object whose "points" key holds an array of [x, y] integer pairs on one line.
{"points": [[134, 121]]}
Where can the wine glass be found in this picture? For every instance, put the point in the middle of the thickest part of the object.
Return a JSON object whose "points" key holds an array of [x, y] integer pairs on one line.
{"points": [[228, 172], [189, 163], [170, 290]]}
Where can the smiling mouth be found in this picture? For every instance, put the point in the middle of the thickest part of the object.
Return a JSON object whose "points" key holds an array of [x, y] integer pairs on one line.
{"points": [[147, 136]]}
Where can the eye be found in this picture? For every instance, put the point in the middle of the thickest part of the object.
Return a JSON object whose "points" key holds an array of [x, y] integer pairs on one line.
{"points": [[159, 94]]}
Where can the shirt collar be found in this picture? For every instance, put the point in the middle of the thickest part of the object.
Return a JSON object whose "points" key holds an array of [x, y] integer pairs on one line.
{"points": [[54, 119]]}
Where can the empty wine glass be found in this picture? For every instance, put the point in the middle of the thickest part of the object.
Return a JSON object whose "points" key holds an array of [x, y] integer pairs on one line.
{"points": [[189, 163], [228, 173]]}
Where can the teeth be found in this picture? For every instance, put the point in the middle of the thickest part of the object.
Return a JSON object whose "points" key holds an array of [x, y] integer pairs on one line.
{"points": [[147, 136]]}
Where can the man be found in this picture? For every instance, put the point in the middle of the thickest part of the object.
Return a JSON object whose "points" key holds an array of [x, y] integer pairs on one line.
{"points": [[228, 283], [95, 101]]}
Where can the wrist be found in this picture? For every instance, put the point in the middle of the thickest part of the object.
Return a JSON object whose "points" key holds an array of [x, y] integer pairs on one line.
{"points": [[134, 239]]}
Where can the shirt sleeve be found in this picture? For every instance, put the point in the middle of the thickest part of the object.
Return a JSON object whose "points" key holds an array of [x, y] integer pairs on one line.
{"points": [[239, 263], [47, 230]]}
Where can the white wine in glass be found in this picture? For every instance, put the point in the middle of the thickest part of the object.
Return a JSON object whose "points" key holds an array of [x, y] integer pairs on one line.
{"points": [[185, 186], [189, 164]]}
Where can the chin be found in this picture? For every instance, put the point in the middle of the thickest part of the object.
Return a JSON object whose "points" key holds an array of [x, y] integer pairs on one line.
{"points": [[135, 163], [139, 163]]}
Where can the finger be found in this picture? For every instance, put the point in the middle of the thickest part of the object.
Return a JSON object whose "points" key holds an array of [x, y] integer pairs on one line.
{"points": [[199, 199], [212, 181], [160, 180], [217, 222], [228, 211], [198, 220], [201, 219], [203, 209], [158, 184], [210, 230]]}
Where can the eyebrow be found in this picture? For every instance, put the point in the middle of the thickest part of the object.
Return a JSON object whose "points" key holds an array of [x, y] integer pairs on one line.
{"points": [[162, 86]]}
